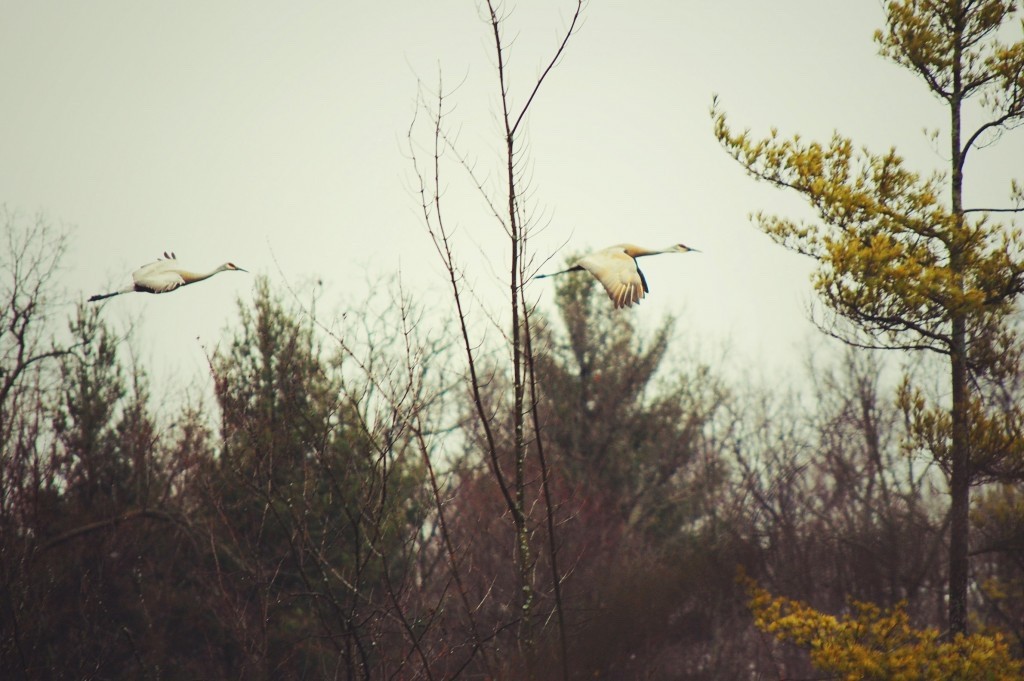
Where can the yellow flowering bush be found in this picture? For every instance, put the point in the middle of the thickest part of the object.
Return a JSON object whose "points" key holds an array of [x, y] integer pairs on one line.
{"points": [[875, 643]]}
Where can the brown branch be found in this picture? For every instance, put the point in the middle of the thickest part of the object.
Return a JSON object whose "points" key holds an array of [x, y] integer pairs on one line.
{"points": [[556, 578], [440, 237], [994, 210], [89, 528], [551, 64]]}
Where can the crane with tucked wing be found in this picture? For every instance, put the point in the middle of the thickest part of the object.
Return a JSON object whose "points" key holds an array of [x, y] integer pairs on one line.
{"points": [[165, 275]]}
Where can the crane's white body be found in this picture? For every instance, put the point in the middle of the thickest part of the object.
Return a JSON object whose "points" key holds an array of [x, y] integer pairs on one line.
{"points": [[163, 276], [617, 270]]}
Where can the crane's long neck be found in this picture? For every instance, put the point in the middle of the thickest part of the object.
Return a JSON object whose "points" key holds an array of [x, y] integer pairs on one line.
{"points": [[192, 277], [673, 248], [638, 252]]}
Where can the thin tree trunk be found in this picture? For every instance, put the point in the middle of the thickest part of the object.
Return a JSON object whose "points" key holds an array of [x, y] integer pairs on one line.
{"points": [[959, 487], [959, 478]]}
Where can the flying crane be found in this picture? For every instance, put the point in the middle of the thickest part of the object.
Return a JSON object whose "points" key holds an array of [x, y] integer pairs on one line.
{"points": [[618, 271], [163, 276]]}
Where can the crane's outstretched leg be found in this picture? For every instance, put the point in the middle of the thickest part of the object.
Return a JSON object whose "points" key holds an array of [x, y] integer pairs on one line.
{"points": [[574, 268], [101, 296]]}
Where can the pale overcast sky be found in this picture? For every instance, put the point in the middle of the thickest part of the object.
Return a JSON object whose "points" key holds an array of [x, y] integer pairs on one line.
{"points": [[274, 135]]}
